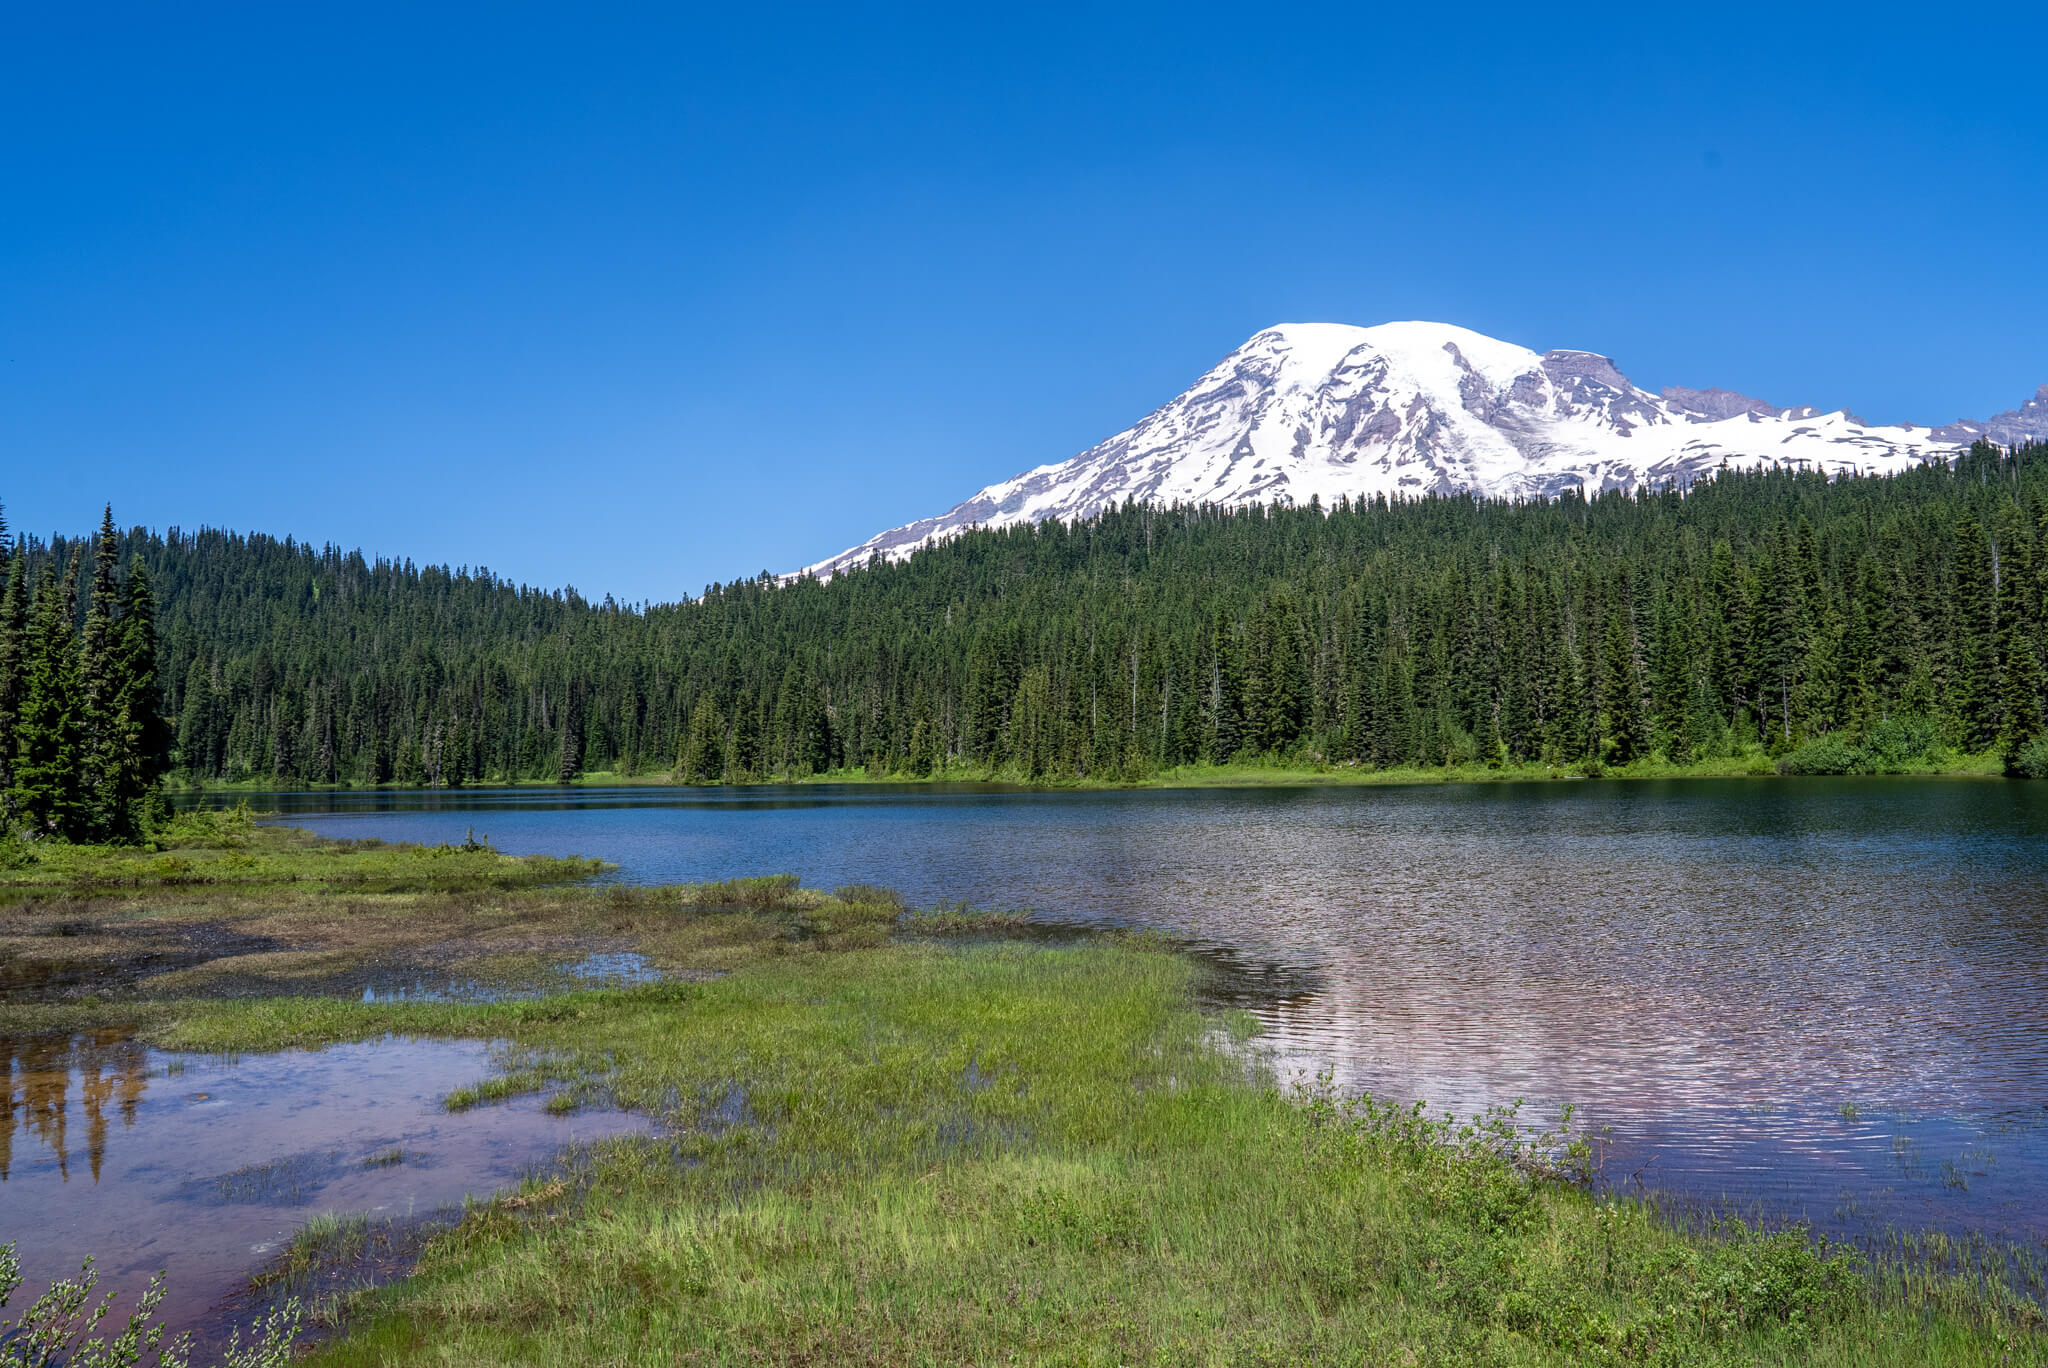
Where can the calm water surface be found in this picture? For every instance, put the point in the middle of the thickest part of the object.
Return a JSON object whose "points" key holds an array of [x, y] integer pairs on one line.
{"points": [[206, 1165], [1828, 998]]}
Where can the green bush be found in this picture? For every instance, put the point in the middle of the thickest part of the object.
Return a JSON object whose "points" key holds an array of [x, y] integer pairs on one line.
{"points": [[58, 1330], [199, 829], [2029, 761], [16, 851], [1828, 754], [1894, 743]]}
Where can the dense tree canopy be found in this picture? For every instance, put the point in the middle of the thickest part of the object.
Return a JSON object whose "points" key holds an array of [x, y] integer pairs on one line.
{"points": [[1772, 608], [82, 739]]}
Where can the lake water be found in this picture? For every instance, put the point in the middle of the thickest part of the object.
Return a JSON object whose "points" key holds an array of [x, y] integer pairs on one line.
{"points": [[205, 1165], [1824, 998]]}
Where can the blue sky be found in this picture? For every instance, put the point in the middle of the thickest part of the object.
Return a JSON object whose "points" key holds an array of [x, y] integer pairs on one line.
{"points": [[640, 298]]}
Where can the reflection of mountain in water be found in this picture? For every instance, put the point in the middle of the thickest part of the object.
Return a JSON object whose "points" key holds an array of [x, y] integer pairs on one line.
{"points": [[37, 1074]]}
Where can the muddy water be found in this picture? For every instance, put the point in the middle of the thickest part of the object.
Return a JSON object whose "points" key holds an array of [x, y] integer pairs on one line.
{"points": [[205, 1165]]}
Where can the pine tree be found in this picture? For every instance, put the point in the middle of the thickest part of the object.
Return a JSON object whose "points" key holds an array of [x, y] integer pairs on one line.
{"points": [[1974, 685], [703, 758], [144, 741], [2022, 698], [46, 765], [569, 757], [1396, 742], [1226, 718], [1284, 708], [14, 644], [1626, 731], [103, 745]]}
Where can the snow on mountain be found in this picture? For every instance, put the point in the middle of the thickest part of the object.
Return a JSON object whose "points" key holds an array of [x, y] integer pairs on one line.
{"points": [[1308, 410]]}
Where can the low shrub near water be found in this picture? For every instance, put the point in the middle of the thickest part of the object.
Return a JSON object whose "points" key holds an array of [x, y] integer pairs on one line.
{"points": [[16, 850], [2029, 761], [1893, 745], [61, 1328]]}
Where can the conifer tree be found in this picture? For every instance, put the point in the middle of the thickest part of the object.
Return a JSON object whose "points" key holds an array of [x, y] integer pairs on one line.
{"points": [[1225, 708], [143, 748], [46, 761], [1626, 729], [703, 759], [14, 644], [1284, 677], [1974, 685], [2022, 698], [103, 744], [569, 756]]}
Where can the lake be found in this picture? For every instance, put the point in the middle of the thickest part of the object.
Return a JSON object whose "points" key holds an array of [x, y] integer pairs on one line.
{"points": [[1824, 999]]}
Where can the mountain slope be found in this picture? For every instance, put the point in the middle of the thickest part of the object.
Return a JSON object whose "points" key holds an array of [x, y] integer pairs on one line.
{"points": [[1323, 410]]}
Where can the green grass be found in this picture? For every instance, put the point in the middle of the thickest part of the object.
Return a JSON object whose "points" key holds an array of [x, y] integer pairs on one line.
{"points": [[228, 851], [1750, 762]]}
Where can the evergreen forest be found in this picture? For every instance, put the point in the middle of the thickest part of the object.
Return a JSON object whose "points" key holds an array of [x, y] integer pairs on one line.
{"points": [[82, 737], [1826, 626]]}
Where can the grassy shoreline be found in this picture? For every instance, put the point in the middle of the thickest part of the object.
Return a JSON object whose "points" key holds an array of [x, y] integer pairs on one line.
{"points": [[883, 1142], [1753, 764]]}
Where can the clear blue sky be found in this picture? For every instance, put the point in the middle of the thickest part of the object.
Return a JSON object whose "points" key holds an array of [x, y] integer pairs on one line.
{"points": [[635, 299]]}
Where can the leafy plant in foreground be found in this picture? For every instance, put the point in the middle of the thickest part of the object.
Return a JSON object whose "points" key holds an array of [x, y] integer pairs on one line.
{"points": [[58, 1329]]}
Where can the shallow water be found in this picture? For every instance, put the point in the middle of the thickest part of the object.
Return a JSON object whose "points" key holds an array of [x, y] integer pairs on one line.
{"points": [[1713, 969], [206, 1165], [602, 969]]}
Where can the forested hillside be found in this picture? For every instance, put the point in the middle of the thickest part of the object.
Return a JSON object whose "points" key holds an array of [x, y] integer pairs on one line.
{"points": [[1863, 622]]}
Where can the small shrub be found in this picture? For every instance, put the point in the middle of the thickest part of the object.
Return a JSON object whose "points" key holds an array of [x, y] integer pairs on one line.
{"points": [[1828, 754], [2029, 761], [16, 851], [200, 829], [59, 1328], [1893, 743]]}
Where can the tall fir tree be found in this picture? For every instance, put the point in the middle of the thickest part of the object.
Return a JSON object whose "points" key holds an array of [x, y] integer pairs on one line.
{"points": [[1626, 730], [14, 645], [145, 737], [46, 791], [102, 741]]}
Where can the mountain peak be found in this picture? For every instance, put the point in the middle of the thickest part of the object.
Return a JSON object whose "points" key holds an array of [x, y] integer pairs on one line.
{"points": [[1405, 409]]}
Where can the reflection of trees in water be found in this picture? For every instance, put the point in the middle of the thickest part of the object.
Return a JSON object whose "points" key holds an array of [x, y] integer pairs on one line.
{"points": [[35, 1090]]}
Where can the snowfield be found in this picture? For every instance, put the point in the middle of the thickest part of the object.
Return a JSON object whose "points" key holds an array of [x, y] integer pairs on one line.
{"points": [[1322, 410]]}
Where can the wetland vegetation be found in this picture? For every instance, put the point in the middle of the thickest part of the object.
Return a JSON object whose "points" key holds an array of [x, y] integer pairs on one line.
{"points": [[889, 1138]]}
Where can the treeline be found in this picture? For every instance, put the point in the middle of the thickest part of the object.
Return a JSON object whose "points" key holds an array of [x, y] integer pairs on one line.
{"points": [[82, 739], [1867, 620]]}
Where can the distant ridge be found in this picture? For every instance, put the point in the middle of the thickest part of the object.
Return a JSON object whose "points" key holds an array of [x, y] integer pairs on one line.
{"points": [[1321, 410]]}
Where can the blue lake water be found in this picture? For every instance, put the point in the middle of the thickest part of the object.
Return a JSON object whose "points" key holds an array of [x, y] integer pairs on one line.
{"points": [[205, 1165], [1822, 998]]}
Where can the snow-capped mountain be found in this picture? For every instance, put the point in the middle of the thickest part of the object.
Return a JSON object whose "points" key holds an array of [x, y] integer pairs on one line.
{"points": [[1324, 409]]}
